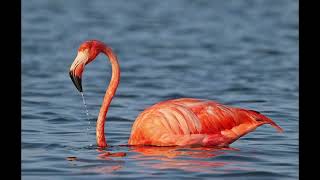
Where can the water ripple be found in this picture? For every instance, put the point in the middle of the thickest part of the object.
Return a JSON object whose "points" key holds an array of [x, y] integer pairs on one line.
{"points": [[239, 53]]}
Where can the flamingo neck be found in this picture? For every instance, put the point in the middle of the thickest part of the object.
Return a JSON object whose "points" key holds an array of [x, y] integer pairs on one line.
{"points": [[110, 92]]}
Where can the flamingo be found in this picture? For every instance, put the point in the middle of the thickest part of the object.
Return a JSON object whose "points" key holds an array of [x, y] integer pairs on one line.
{"points": [[175, 122]]}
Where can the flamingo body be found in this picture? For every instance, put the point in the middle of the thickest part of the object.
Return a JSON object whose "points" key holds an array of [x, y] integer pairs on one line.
{"points": [[188, 121], [178, 122]]}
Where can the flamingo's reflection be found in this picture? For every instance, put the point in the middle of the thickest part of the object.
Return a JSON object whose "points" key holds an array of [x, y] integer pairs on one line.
{"points": [[200, 159], [109, 163], [196, 159]]}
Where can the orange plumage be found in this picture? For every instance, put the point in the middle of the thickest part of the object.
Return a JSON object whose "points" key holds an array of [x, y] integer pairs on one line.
{"points": [[188, 121]]}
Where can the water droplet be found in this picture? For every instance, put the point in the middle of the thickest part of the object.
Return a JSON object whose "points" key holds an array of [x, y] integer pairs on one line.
{"points": [[87, 113], [85, 105]]}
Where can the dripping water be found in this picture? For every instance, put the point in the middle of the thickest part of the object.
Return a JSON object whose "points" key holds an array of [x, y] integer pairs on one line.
{"points": [[87, 114], [85, 106]]}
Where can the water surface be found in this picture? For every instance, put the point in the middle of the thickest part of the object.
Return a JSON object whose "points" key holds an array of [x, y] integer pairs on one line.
{"points": [[239, 53]]}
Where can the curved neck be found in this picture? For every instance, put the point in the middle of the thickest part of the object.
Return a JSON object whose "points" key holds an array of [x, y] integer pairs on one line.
{"points": [[115, 78]]}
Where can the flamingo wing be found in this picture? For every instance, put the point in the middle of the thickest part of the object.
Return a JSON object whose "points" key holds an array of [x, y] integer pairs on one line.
{"points": [[188, 121]]}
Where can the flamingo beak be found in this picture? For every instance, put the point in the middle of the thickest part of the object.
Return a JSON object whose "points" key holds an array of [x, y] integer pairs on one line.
{"points": [[77, 68], [76, 81]]}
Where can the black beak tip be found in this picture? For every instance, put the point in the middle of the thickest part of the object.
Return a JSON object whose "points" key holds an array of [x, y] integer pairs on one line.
{"points": [[76, 81]]}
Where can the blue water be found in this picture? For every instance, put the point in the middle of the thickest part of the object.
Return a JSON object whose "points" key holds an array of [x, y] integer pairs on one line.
{"points": [[239, 53]]}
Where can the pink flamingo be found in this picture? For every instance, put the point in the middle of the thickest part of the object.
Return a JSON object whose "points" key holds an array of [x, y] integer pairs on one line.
{"points": [[177, 122]]}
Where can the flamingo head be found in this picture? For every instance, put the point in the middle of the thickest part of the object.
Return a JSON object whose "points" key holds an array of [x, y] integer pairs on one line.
{"points": [[87, 52]]}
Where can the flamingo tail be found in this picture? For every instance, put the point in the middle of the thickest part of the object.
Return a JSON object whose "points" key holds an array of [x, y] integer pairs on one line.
{"points": [[271, 122]]}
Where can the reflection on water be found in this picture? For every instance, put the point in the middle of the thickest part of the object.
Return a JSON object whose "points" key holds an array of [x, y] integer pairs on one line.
{"points": [[192, 160], [103, 169], [200, 159], [174, 152]]}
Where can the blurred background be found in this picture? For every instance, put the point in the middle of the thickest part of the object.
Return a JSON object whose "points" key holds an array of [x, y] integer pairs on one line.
{"points": [[239, 53]]}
